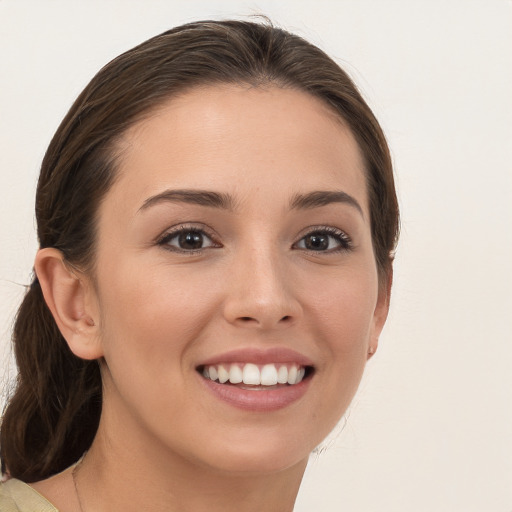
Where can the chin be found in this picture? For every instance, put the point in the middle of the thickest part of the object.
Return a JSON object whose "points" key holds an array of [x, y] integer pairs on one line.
{"points": [[257, 461], [256, 450]]}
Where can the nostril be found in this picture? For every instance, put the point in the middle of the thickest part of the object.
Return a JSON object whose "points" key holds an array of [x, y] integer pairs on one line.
{"points": [[264, 321]]}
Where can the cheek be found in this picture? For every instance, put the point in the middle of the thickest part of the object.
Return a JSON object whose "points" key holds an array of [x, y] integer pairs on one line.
{"points": [[343, 311], [150, 316], [342, 320]]}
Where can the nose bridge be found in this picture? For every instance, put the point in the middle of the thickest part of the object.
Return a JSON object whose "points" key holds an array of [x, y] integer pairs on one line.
{"points": [[261, 292]]}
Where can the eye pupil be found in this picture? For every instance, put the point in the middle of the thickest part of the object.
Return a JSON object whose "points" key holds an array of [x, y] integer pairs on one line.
{"points": [[317, 242], [190, 240]]}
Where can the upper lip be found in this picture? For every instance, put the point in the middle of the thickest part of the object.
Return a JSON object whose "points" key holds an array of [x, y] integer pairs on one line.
{"points": [[259, 356]]}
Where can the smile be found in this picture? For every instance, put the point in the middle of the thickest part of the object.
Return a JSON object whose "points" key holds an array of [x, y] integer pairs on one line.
{"points": [[255, 376], [256, 379]]}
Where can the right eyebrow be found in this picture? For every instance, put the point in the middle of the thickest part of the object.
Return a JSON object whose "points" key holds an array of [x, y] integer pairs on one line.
{"points": [[192, 196]]}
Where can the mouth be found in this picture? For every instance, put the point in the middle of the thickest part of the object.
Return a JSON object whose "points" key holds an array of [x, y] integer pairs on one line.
{"points": [[258, 380], [256, 377]]}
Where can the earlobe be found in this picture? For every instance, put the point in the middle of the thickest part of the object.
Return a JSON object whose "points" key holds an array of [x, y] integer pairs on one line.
{"points": [[380, 313], [68, 297]]}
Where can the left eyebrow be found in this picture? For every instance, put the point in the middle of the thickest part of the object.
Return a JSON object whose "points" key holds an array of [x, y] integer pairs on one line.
{"points": [[322, 198]]}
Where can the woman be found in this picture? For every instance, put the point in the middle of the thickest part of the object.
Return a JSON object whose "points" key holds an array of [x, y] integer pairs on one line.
{"points": [[217, 218]]}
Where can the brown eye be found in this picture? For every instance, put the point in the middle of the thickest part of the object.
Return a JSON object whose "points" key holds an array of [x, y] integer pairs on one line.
{"points": [[316, 242], [191, 240], [325, 240], [187, 240]]}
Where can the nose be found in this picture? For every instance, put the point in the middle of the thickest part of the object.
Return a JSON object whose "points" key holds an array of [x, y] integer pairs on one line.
{"points": [[261, 293]]}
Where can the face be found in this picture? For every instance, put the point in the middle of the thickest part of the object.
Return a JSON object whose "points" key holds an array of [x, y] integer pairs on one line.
{"points": [[235, 245]]}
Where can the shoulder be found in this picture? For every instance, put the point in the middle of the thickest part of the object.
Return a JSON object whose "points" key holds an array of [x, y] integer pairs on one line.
{"points": [[17, 496]]}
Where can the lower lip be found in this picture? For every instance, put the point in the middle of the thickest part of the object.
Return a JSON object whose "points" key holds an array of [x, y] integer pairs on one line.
{"points": [[258, 399]]}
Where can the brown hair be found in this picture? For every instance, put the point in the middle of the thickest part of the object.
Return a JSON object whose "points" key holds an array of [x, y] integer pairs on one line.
{"points": [[53, 415]]}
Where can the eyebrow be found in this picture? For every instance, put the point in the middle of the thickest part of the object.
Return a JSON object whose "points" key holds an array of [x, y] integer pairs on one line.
{"points": [[322, 198], [199, 197], [223, 201]]}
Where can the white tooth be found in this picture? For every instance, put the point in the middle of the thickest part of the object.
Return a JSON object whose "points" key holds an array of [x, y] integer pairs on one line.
{"points": [[223, 374], [282, 375], [292, 374], [213, 372], [235, 374], [205, 372], [251, 375], [300, 375], [269, 375]]}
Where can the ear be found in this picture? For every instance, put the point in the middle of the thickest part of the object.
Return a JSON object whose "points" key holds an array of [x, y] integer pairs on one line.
{"points": [[71, 298], [380, 314]]}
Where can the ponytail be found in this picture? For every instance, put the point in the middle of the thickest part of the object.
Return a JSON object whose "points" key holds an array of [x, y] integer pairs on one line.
{"points": [[53, 415]]}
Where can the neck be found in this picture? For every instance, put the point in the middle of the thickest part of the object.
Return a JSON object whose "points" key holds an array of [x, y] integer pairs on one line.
{"points": [[145, 477]]}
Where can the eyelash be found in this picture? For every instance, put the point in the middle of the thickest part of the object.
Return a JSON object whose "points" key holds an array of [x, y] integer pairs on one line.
{"points": [[164, 240], [344, 241]]}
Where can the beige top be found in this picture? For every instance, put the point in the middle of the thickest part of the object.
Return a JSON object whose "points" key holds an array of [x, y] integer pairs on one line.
{"points": [[17, 496]]}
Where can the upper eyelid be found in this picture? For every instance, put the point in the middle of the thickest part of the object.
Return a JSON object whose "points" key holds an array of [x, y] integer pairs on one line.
{"points": [[327, 229], [175, 230]]}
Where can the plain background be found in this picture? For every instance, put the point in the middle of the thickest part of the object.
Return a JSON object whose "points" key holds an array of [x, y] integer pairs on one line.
{"points": [[431, 427]]}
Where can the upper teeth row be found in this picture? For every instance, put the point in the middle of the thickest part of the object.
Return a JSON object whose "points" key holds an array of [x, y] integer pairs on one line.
{"points": [[252, 374]]}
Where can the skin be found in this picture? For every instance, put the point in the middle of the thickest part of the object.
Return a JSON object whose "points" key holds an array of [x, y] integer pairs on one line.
{"points": [[153, 312]]}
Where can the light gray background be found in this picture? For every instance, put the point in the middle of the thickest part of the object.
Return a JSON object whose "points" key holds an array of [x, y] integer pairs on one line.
{"points": [[430, 429]]}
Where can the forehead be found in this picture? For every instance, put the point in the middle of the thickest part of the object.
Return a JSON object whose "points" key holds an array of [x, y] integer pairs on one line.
{"points": [[238, 138]]}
